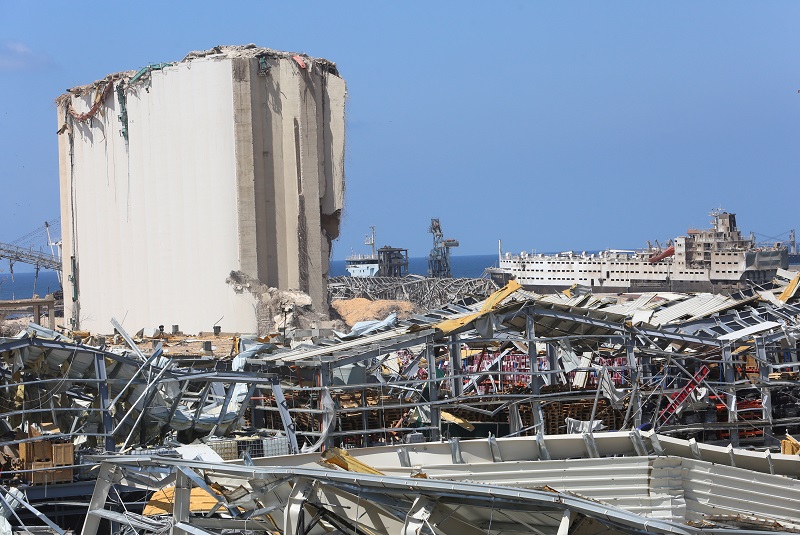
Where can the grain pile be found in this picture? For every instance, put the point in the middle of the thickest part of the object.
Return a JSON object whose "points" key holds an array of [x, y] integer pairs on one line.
{"points": [[359, 309]]}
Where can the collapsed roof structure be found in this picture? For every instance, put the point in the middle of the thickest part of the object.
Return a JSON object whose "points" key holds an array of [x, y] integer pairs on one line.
{"points": [[701, 363], [619, 482], [560, 377]]}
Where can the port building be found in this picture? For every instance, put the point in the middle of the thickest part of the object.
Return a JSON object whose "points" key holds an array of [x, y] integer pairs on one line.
{"points": [[178, 175]]}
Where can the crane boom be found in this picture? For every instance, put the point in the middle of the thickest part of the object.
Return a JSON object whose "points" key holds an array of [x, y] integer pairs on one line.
{"points": [[29, 256], [439, 257]]}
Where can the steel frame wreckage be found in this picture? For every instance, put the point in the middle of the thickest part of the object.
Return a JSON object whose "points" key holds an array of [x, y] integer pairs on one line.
{"points": [[567, 413]]}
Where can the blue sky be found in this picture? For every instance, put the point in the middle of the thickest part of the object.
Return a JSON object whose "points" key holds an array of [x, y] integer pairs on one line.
{"points": [[551, 125]]}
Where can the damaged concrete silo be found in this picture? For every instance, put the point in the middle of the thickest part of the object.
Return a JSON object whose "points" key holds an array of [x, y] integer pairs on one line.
{"points": [[178, 174]]}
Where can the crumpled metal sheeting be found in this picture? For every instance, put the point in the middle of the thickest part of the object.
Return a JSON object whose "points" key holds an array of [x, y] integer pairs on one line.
{"points": [[742, 319], [726, 305], [693, 307], [285, 499], [583, 301], [313, 353], [50, 358], [127, 385], [647, 301]]}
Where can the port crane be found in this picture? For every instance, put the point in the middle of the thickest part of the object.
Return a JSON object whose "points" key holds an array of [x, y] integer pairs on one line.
{"points": [[439, 257]]}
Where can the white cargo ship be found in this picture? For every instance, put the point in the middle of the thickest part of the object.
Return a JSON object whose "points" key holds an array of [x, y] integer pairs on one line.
{"points": [[718, 259]]}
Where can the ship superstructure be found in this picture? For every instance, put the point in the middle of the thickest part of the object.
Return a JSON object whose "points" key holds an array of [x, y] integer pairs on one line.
{"points": [[385, 262], [715, 259], [364, 265]]}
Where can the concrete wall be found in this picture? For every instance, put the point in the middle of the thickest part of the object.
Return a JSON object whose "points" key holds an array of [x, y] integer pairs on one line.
{"points": [[232, 163]]}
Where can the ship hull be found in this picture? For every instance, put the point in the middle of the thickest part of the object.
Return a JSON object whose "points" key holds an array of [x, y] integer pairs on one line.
{"points": [[659, 286], [717, 260], [502, 276]]}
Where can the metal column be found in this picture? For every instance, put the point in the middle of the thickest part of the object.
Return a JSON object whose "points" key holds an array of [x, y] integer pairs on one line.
{"points": [[105, 478], [456, 371], [635, 401], [433, 391], [325, 380], [536, 380], [181, 509], [730, 392], [552, 364], [764, 368], [364, 419], [103, 398]]}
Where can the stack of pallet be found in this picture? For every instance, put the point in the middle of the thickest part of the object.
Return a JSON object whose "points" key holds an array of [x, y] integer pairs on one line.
{"points": [[557, 412], [63, 459], [47, 462], [553, 419], [784, 376], [746, 410]]}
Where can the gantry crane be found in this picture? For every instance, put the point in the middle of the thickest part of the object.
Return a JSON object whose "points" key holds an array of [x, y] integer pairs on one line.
{"points": [[439, 257]]}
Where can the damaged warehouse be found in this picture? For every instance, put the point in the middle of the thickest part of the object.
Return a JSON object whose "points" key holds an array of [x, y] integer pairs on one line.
{"points": [[251, 136], [709, 374]]}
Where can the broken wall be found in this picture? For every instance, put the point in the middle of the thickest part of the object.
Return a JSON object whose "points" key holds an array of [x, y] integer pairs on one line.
{"points": [[174, 176]]}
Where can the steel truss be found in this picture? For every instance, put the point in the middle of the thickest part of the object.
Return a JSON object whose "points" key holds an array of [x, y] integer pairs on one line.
{"points": [[425, 292]]}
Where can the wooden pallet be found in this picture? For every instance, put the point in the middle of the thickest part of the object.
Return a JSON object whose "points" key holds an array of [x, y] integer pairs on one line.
{"points": [[784, 376]]}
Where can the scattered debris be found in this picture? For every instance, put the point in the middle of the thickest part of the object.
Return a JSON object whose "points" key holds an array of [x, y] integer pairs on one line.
{"points": [[424, 292]]}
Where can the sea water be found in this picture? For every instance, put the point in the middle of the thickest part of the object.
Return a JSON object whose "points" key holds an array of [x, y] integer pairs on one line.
{"points": [[24, 285]]}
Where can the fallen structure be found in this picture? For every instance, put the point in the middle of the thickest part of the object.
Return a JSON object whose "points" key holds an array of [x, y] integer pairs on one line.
{"points": [[596, 483], [424, 292], [66, 400], [564, 387], [230, 160], [717, 368]]}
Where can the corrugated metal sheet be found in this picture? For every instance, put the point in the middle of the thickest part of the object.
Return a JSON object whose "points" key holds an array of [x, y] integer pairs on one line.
{"points": [[629, 307], [622, 482], [581, 301], [712, 489], [692, 307], [747, 331], [315, 352], [660, 487]]}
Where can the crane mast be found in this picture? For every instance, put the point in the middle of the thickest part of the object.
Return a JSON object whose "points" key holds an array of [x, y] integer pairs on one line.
{"points": [[439, 257]]}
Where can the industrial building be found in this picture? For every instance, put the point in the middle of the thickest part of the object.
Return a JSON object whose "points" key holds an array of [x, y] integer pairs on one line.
{"points": [[179, 176]]}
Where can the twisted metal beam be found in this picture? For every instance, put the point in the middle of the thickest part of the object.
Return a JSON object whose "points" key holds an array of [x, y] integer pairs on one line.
{"points": [[425, 292]]}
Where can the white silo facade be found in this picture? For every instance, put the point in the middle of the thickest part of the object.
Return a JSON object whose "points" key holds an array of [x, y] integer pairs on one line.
{"points": [[177, 175]]}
